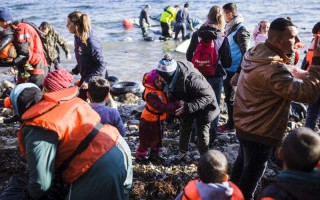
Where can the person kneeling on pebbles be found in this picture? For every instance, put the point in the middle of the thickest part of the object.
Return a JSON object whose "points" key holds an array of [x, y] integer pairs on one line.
{"points": [[61, 135], [153, 116]]}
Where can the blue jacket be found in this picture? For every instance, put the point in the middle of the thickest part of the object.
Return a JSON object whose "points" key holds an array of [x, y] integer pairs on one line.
{"points": [[90, 59], [109, 116]]}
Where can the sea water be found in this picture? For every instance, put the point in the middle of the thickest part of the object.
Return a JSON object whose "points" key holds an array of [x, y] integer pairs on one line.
{"points": [[128, 56]]}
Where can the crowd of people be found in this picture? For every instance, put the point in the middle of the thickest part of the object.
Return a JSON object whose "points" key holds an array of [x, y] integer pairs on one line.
{"points": [[68, 131]]}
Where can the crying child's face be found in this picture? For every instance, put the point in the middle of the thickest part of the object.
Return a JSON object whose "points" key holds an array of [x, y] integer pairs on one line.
{"points": [[159, 83]]}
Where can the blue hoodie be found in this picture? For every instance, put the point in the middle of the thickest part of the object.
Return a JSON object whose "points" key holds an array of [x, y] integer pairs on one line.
{"points": [[90, 58]]}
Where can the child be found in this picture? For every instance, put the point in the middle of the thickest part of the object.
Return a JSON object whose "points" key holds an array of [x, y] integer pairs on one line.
{"points": [[153, 115], [213, 183], [98, 93], [57, 80], [300, 154], [260, 32]]}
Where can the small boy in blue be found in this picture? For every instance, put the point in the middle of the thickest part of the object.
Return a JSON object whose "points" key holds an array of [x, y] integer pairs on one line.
{"points": [[98, 93]]}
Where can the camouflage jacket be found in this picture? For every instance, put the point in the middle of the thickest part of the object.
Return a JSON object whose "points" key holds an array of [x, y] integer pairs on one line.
{"points": [[51, 42]]}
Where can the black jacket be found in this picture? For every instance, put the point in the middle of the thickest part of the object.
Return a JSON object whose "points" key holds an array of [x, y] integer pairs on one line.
{"points": [[192, 87], [224, 52]]}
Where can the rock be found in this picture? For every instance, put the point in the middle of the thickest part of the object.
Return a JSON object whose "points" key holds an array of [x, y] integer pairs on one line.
{"points": [[168, 141], [133, 122], [7, 84], [291, 125], [132, 127], [6, 112], [231, 152], [224, 138]]}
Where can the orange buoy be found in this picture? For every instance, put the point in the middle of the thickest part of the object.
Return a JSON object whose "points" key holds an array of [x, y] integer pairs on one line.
{"points": [[127, 23], [7, 102]]}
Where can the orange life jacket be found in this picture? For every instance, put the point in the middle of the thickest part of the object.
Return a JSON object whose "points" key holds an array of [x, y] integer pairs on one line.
{"points": [[149, 113], [191, 192], [8, 52], [72, 119], [309, 55], [27, 33]]}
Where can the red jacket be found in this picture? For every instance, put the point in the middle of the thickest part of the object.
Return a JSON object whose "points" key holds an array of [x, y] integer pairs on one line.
{"points": [[26, 33]]}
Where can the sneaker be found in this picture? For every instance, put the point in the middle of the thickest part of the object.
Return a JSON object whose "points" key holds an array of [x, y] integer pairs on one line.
{"points": [[156, 158], [143, 160], [178, 158], [225, 129]]}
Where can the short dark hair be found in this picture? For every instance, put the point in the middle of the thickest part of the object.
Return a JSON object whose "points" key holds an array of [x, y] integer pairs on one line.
{"points": [[186, 5], [44, 25], [212, 167], [231, 7], [316, 28], [280, 24], [277, 27], [301, 150], [98, 89]]}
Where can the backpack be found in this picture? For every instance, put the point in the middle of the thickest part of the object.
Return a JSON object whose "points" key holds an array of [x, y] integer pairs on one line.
{"points": [[205, 57]]}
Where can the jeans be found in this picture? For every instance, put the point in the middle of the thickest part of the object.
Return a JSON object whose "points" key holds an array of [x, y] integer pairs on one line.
{"points": [[250, 166], [202, 133], [230, 92], [216, 84], [178, 27], [312, 114]]}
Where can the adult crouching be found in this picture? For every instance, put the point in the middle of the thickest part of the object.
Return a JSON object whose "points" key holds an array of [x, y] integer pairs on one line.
{"points": [[54, 127]]}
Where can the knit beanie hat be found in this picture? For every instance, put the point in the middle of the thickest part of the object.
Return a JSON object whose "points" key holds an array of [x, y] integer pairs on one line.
{"points": [[23, 96], [57, 80], [167, 67], [5, 15]]}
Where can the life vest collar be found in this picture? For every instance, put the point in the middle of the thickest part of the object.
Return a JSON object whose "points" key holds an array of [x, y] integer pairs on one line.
{"points": [[49, 101]]}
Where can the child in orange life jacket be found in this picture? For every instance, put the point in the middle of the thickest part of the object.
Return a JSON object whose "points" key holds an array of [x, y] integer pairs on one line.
{"points": [[300, 178], [153, 115], [213, 183], [309, 54], [260, 32]]}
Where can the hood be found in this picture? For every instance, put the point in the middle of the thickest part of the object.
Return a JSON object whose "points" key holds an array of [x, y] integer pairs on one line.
{"points": [[230, 25], [218, 191], [209, 32], [149, 79], [258, 56], [301, 185], [32, 96]]}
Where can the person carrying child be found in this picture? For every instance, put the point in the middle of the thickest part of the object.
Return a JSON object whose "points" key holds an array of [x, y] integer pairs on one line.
{"points": [[99, 93], [213, 180], [153, 115], [300, 154], [260, 32]]}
